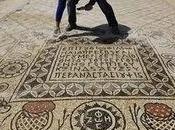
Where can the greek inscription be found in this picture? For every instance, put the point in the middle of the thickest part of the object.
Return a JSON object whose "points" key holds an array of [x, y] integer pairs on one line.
{"points": [[98, 62]]}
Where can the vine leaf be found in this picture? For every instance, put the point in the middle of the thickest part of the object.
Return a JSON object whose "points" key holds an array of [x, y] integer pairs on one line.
{"points": [[65, 116], [134, 114]]}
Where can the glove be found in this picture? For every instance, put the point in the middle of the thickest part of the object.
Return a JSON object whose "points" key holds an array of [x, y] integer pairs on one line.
{"points": [[86, 7]]}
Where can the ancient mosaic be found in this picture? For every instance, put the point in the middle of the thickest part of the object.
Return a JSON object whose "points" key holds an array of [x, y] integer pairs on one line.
{"points": [[88, 78], [66, 71]]}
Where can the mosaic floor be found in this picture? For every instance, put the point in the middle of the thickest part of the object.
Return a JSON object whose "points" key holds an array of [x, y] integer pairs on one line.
{"points": [[89, 79]]}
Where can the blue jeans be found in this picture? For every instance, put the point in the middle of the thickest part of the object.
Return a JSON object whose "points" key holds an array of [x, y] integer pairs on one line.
{"points": [[71, 8]]}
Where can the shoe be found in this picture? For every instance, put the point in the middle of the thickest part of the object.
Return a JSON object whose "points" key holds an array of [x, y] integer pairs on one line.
{"points": [[115, 30], [57, 31], [71, 27]]}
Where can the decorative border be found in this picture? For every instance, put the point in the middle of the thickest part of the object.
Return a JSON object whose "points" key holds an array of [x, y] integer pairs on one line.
{"points": [[33, 85]]}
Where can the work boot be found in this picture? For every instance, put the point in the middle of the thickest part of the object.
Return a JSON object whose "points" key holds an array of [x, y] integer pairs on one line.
{"points": [[71, 27]]}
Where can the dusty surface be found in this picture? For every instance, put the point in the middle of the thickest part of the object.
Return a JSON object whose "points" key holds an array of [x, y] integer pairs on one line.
{"points": [[91, 79], [172, 2]]}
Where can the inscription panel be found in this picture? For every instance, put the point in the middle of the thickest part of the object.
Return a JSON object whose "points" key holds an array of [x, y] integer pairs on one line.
{"points": [[87, 63], [70, 71]]}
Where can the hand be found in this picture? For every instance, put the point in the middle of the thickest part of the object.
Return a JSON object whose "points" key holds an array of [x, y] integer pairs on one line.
{"points": [[81, 8], [88, 7]]}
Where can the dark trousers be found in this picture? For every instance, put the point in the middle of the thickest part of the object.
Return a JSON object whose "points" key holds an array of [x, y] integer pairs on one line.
{"points": [[108, 12], [71, 8]]}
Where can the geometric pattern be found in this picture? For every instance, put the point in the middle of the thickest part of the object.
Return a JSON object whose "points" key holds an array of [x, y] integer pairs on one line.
{"points": [[23, 122], [12, 68], [39, 81]]}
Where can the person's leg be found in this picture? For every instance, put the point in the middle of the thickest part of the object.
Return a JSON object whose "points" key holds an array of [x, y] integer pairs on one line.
{"points": [[60, 9], [109, 13], [71, 7], [59, 13]]}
